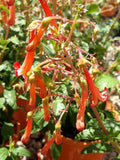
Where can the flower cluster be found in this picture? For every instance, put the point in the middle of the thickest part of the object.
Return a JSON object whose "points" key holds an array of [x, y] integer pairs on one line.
{"points": [[35, 83]]}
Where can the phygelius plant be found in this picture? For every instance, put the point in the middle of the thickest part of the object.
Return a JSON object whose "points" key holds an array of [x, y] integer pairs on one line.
{"points": [[57, 81]]}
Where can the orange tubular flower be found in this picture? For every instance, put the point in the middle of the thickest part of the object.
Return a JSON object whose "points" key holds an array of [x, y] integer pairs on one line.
{"points": [[11, 19], [96, 95], [28, 129], [46, 109], [40, 84], [32, 101], [58, 136], [48, 12], [28, 61], [43, 27], [80, 124]]}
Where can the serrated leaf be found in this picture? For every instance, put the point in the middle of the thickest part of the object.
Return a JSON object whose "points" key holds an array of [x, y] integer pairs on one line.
{"points": [[4, 152], [38, 121], [112, 124], [14, 39], [106, 80], [20, 151], [97, 148], [88, 134], [58, 106], [7, 131], [2, 101], [10, 97], [5, 66]]}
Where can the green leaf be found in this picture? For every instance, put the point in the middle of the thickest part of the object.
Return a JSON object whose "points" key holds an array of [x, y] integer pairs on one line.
{"points": [[5, 66], [106, 80], [14, 39], [97, 148], [2, 101], [4, 43], [56, 150], [38, 121], [49, 49], [7, 131], [92, 8], [20, 151], [47, 79], [92, 131], [4, 8], [58, 106], [111, 124], [10, 96], [88, 134], [4, 152]]}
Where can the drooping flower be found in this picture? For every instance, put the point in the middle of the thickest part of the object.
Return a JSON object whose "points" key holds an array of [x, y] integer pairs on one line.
{"points": [[32, 101], [11, 19], [46, 109], [28, 128], [96, 95], [40, 84], [42, 28], [3, 12], [48, 12], [46, 147], [28, 61], [10, 2], [80, 124], [57, 133]]}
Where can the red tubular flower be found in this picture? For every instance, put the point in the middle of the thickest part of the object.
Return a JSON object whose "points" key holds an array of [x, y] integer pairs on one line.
{"points": [[16, 66], [43, 27], [46, 109], [40, 84], [48, 12], [28, 129], [80, 124], [32, 101], [28, 61], [11, 19], [96, 95], [10, 2], [45, 148], [58, 136], [3, 12]]}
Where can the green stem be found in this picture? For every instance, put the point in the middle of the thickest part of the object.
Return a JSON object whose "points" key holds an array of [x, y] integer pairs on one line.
{"points": [[114, 144], [99, 120], [68, 41], [71, 31]]}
